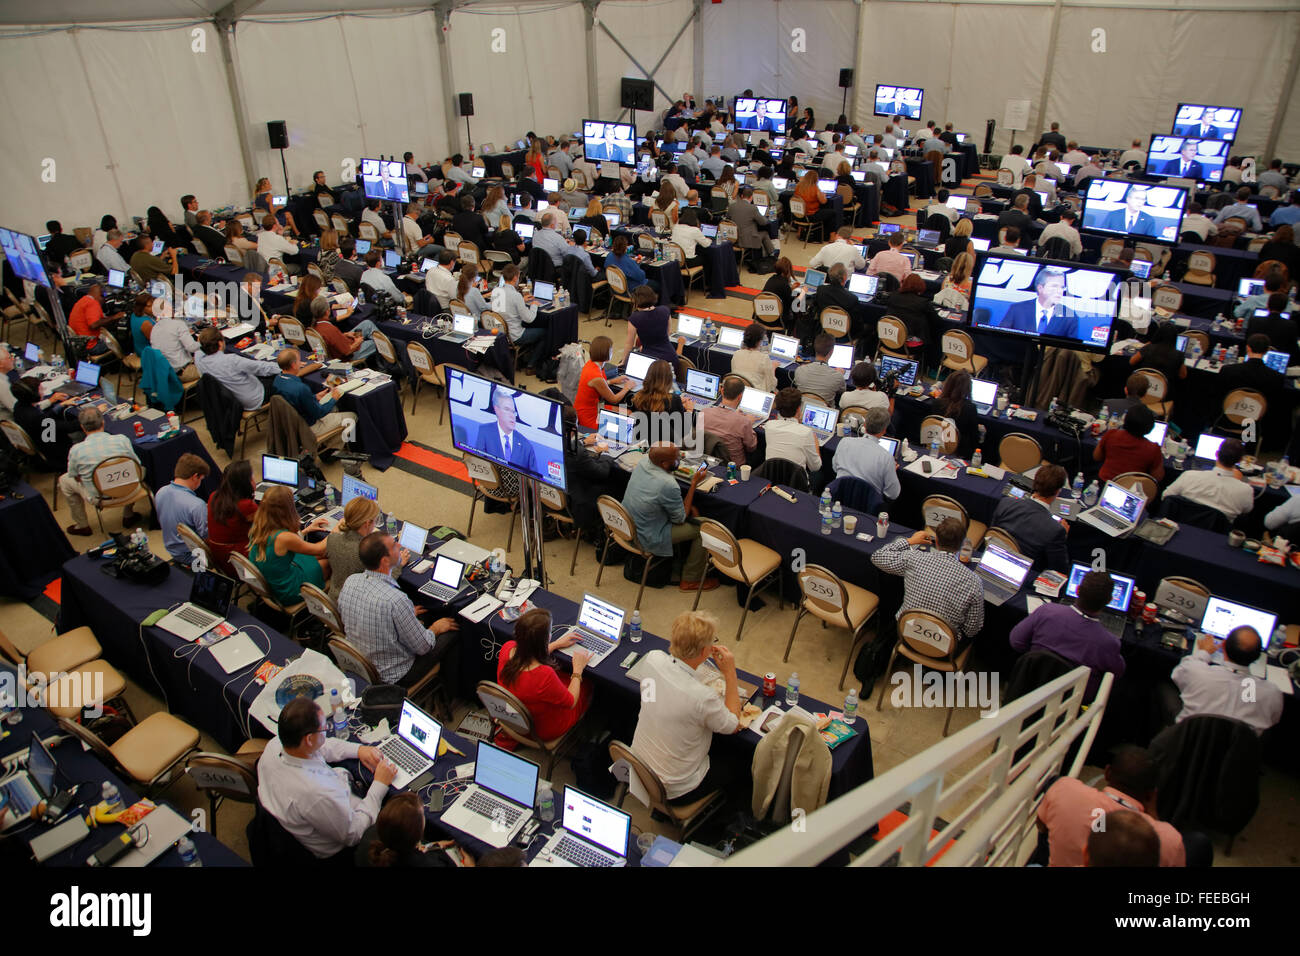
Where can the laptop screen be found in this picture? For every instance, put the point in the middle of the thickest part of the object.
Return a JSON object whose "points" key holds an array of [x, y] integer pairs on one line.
{"points": [[818, 417], [158, 246], [1157, 433], [503, 773], [447, 570], [1263, 314], [1121, 502], [414, 537], [612, 218], [981, 245], [1207, 446], [355, 488], [41, 765], [1120, 597], [1272, 358], [689, 325], [887, 227], [841, 357], [551, 185], [32, 352], [543, 290], [392, 259], [212, 592], [362, 246], [280, 471], [702, 383], [813, 278], [421, 188], [860, 284], [1222, 616], [462, 323], [426, 264], [889, 444], [1140, 268], [525, 229], [780, 182], [615, 427], [637, 365], [709, 229], [982, 392], [419, 730], [116, 278], [756, 402], [928, 235], [595, 821], [827, 185], [601, 617], [88, 374], [859, 175], [1247, 287], [785, 346], [1005, 566], [905, 368], [730, 336], [957, 202]]}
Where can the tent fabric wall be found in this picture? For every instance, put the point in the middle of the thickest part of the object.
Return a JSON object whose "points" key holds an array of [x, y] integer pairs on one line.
{"points": [[646, 28]]}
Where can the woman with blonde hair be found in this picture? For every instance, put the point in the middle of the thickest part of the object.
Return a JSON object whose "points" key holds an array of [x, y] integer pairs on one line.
{"points": [[342, 548], [955, 293], [535, 161], [263, 200], [329, 253], [594, 218], [666, 202], [959, 241], [278, 549]]}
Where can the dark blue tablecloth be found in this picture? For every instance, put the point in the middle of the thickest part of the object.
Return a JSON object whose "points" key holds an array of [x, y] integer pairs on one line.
{"points": [[492, 162], [381, 423], [922, 171], [498, 356], [720, 268], [32, 545], [159, 456]]}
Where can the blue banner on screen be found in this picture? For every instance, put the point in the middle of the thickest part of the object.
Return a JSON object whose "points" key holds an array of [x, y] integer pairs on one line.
{"points": [[1187, 158], [1060, 303], [760, 115], [1141, 210], [1206, 122], [23, 256], [384, 179], [507, 426], [608, 142], [898, 101]]}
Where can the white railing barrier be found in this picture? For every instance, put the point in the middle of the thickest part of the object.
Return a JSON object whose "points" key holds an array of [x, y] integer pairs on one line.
{"points": [[985, 817]]}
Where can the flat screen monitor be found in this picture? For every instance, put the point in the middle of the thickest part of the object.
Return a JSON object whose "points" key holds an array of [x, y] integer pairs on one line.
{"points": [[385, 179], [904, 369], [608, 142], [1059, 303], [1183, 157], [280, 471], [507, 426], [899, 101], [23, 256], [1206, 122], [1116, 207], [760, 115]]}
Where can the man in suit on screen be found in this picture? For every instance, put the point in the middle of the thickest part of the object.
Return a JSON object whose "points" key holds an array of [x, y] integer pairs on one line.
{"points": [[1200, 128], [500, 440], [1131, 218], [1043, 314], [1186, 164], [768, 122]]}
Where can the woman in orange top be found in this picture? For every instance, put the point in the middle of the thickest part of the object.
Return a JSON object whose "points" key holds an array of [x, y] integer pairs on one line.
{"points": [[814, 203], [592, 387], [535, 162]]}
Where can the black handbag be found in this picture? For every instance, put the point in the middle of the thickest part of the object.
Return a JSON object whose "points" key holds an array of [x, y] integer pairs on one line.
{"points": [[379, 701]]}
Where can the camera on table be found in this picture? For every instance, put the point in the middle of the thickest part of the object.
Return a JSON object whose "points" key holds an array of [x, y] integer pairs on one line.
{"points": [[385, 307]]}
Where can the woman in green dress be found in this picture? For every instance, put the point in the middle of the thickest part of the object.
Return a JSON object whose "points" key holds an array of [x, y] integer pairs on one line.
{"points": [[277, 546]]}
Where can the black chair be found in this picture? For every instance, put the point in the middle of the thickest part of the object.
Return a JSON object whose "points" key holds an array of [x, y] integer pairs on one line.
{"points": [[1185, 511], [1033, 669], [540, 265], [856, 494], [941, 223], [782, 471], [271, 845], [425, 302]]}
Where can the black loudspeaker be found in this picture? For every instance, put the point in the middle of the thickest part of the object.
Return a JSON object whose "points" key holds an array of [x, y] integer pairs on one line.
{"points": [[465, 104], [846, 78], [278, 132], [638, 94], [988, 136]]}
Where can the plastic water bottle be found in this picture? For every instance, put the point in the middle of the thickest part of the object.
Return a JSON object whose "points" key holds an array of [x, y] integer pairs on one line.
{"points": [[188, 851], [851, 706], [792, 690], [331, 494], [1196, 353], [826, 502], [826, 522], [1051, 409], [935, 451], [111, 797], [977, 459], [361, 296], [340, 717], [966, 549], [634, 628], [545, 803], [837, 515], [1090, 493], [498, 565], [1077, 487]]}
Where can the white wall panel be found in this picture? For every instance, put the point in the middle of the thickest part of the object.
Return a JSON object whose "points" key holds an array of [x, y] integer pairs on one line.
{"points": [[646, 28]]}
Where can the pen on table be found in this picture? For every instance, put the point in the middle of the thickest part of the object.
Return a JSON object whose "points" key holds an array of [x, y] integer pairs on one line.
{"points": [[765, 489]]}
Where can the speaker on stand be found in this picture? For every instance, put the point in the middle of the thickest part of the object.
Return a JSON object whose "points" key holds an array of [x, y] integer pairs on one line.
{"points": [[988, 136], [465, 107], [636, 95], [846, 80], [277, 131]]}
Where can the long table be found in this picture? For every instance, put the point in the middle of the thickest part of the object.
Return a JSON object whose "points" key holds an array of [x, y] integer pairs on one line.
{"points": [[32, 545]]}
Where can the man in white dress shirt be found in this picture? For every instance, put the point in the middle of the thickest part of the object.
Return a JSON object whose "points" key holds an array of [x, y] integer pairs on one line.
{"points": [[440, 281], [271, 243], [1227, 689], [1222, 487], [839, 250]]}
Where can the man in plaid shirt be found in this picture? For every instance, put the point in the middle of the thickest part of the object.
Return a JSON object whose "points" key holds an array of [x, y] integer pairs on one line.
{"points": [[380, 620], [622, 203], [935, 580]]}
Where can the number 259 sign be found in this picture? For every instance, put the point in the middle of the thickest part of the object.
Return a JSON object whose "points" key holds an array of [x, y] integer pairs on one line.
{"points": [[822, 591]]}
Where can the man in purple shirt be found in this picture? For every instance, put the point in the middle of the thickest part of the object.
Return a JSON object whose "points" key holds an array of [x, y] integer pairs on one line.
{"points": [[1073, 631]]}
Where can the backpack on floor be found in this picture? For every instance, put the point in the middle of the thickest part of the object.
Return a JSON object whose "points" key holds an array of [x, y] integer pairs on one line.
{"points": [[573, 357]]}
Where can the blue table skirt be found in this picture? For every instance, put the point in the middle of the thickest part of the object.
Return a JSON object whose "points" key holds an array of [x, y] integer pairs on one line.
{"points": [[32, 545]]}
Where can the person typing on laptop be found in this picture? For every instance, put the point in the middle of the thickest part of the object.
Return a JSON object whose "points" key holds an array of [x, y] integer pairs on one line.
{"points": [[817, 377], [381, 620], [866, 459], [1222, 487], [1029, 520], [1073, 631], [935, 580], [317, 410], [524, 669], [1220, 689], [178, 502], [312, 800], [730, 424]]}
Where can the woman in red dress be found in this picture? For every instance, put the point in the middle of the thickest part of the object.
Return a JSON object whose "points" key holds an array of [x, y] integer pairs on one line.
{"points": [[556, 701]]}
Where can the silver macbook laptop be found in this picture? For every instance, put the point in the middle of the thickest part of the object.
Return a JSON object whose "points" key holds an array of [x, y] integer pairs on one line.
{"points": [[863, 286], [1207, 446], [618, 432], [447, 581], [591, 833], [1002, 573], [841, 358], [495, 807], [689, 326], [1222, 616], [25, 790], [813, 278], [638, 363], [1117, 513], [783, 347], [756, 402], [462, 328], [599, 628], [702, 385], [462, 550], [820, 419], [730, 338], [352, 488], [207, 607], [1114, 616], [983, 395], [236, 652], [414, 747], [543, 292]]}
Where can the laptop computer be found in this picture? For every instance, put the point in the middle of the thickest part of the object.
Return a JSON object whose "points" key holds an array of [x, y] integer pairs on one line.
{"points": [[709, 229], [1140, 268], [87, 374], [863, 286], [116, 278], [392, 259], [495, 807], [783, 347], [927, 237], [1002, 573], [1263, 314], [887, 227], [841, 357], [983, 395], [414, 539], [1274, 359], [33, 785], [1249, 287], [477, 172], [1117, 513], [551, 185], [780, 182], [414, 747], [352, 488], [890, 445], [1158, 432], [158, 247], [543, 292], [1222, 616], [32, 353], [827, 186], [1114, 616], [421, 188], [362, 246], [702, 386], [638, 363], [591, 833], [525, 229], [209, 603], [599, 628], [730, 338], [905, 369], [957, 202], [820, 419], [462, 328], [618, 432], [756, 403], [689, 326], [276, 471], [236, 652], [1207, 446], [981, 245], [813, 278], [462, 550], [447, 581]]}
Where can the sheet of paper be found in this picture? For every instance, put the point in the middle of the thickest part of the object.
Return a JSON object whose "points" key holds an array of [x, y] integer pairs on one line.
{"points": [[1279, 678], [1033, 603], [235, 331], [993, 471], [480, 609]]}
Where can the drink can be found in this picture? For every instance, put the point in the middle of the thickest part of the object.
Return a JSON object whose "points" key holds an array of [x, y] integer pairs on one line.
{"points": [[769, 684], [1150, 612], [1139, 602], [882, 524], [139, 429]]}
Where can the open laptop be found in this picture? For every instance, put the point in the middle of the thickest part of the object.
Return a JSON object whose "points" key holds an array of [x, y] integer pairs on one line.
{"points": [[1002, 573], [618, 432], [981, 245], [495, 807], [276, 471], [927, 237], [543, 292], [1114, 616], [886, 228], [462, 328], [362, 246], [890, 445], [731, 338], [1274, 359], [983, 395], [414, 747], [414, 539], [1117, 513], [757, 403], [863, 286], [1222, 616], [352, 488], [392, 259], [87, 374], [1207, 446], [33, 785], [1157, 433], [783, 347], [1264, 313], [525, 229], [820, 419], [448, 579], [702, 386], [905, 368], [689, 327], [709, 229], [599, 628], [813, 278], [638, 363], [116, 278], [591, 833], [209, 603], [1140, 268], [957, 202], [1249, 287], [841, 357]]}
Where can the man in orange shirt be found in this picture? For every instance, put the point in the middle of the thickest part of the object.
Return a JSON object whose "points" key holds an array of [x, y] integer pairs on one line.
{"points": [[87, 316]]}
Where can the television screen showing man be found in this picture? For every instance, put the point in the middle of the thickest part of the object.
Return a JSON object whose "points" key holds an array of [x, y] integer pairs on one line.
{"points": [[1185, 158], [1206, 122], [898, 101], [507, 426], [760, 115], [384, 179], [24, 256], [1024, 296], [612, 142], [1137, 209]]}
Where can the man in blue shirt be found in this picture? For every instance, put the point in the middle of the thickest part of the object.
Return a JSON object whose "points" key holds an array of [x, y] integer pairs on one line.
{"points": [[621, 259], [546, 237], [319, 415], [655, 503], [866, 458], [179, 503], [578, 251], [239, 373], [1241, 209], [1287, 215]]}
